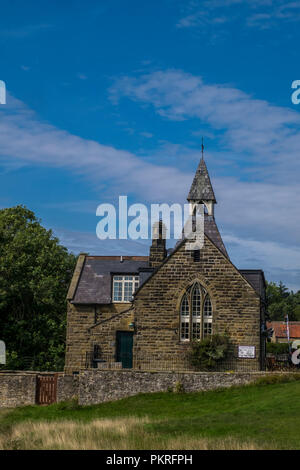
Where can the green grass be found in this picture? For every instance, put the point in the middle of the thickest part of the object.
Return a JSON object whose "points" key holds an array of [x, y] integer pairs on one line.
{"points": [[268, 415]]}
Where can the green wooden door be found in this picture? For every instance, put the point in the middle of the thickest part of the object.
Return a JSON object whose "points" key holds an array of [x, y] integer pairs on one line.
{"points": [[124, 348]]}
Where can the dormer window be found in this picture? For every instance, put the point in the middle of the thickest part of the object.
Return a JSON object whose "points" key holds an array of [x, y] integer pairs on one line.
{"points": [[124, 287]]}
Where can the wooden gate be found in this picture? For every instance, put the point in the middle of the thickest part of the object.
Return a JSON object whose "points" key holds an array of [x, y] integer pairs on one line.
{"points": [[46, 387]]}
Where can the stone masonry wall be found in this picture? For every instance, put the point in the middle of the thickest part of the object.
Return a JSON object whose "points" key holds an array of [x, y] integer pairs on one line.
{"points": [[97, 386], [104, 334], [18, 388], [90, 325], [79, 319], [67, 387], [236, 306]]}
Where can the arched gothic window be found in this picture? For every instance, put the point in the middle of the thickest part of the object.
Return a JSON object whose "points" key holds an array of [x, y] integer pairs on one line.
{"points": [[195, 313], [184, 319]]}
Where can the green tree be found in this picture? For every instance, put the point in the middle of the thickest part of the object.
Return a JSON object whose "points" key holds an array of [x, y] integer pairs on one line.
{"points": [[281, 302], [35, 271]]}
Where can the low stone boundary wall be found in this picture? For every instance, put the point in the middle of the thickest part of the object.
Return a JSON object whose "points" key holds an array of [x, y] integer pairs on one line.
{"points": [[67, 387], [18, 388], [97, 386]]}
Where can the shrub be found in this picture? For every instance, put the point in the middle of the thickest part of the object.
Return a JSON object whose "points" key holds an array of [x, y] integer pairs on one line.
{"points": [[277, 348], [206, 353], [179, 388]]}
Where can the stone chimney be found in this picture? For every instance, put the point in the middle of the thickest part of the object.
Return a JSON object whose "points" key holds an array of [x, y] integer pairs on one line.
{"points": [[158, 250]]}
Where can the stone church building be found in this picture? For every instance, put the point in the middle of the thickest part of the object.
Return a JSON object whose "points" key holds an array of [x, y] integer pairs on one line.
{"points": [[143, 312]]}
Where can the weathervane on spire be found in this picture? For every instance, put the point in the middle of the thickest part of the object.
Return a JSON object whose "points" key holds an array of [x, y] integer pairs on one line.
{"points": [[202, 149]]}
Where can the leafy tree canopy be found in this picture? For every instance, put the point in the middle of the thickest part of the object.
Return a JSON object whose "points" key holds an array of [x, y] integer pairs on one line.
{"points": [[281, 302], [35, 271]]}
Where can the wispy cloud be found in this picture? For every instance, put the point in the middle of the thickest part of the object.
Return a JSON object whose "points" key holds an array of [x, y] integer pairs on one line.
{"points": [[259, 209], [24, 31], [263, 140], [252, 129], [280, 262], [87, 242], [148, 135], [261, 14], [82, 76], [25, 138]]}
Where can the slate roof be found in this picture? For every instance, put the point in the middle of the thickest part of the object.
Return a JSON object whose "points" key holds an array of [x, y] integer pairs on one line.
{"points": [[256, 278], [201, 189], [279, 328], [95, 282], [212, 231]]}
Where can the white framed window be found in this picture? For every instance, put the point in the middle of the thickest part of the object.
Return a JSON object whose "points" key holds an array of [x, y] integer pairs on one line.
{"points": [[124, 287], [196, 314]]}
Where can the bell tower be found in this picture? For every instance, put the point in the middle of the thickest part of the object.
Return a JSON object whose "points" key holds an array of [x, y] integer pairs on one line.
{"points": [[201, 191]]}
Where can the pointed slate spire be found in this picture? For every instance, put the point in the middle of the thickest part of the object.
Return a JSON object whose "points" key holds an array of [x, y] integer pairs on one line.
{"points": [[201, 189]]}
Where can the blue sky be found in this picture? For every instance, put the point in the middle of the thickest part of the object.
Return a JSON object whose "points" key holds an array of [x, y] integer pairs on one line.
{"points": [[107, 98]]}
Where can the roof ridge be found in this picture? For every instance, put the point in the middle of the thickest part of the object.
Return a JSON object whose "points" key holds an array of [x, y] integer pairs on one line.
{"points": [[117, 257]]}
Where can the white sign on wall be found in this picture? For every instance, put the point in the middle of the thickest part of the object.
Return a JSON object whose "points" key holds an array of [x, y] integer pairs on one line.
{"points": [[247, 352]]}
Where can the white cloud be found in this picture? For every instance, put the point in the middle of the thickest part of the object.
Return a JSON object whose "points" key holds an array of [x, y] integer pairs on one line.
{"points": [[25, 138], [260, 139], [261, 14], [264, 209], [87, 242], [280, 262], [24, 31], [264, 134], [148, 135], [271, 254], [82, 76]]}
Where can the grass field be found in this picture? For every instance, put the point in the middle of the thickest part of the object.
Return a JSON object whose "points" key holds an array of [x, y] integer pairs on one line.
{"points": [[250, 417]]}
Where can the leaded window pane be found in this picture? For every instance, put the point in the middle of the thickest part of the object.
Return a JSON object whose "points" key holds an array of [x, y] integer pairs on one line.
{"points": [[185, 326], [185, 311], [184, 319], [207, 310], [117, 291], [123, 287], [196, 330], [195, 322], [207, 307], [207, 329], [196, 302]]}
